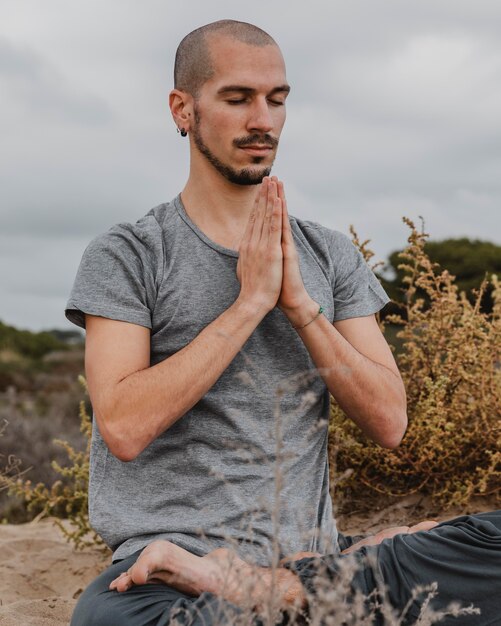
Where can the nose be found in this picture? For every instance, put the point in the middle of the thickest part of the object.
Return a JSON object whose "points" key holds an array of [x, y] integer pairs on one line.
{"points": [[260, 118]]}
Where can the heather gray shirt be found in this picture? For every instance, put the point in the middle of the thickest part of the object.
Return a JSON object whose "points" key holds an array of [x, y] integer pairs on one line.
{"points": [[209, 480]]}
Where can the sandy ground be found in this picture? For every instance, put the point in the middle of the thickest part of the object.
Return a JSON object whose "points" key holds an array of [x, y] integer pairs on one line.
{"points": [[41, 575]]}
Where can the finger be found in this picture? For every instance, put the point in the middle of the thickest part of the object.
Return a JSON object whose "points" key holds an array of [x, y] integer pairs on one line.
{"points": [[274, 231], [270, 205], [247, 235], [287, 238], [122, 583], [261, 209], [115, 580], [140, 571]]}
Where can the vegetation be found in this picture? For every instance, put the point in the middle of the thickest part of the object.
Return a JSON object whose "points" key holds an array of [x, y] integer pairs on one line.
{"points": [[66, 499], [450, 363], [28, 344], [469, 261], [449, 358]]}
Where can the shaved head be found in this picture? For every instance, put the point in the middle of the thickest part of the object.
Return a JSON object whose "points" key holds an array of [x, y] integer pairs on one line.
{"points": [[194, 65]]}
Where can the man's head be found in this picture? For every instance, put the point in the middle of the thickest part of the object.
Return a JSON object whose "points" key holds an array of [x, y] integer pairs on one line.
{"points": [[229, 94]]}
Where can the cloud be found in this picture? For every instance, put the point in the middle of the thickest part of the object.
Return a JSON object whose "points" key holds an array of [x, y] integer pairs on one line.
{"points": [[32, 86], [394, 111]]}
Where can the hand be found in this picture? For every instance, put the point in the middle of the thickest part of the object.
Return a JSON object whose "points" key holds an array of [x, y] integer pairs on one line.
{"points": [[259, 267], [294, 301], [388, 533]]}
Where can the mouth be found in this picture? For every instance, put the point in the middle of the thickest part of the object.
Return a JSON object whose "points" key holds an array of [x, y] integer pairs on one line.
{"points": [[257, 150]]}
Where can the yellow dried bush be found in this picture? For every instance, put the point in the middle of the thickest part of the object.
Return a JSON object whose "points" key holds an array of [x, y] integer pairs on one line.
{"points": [[450, 363], [65, 499]]}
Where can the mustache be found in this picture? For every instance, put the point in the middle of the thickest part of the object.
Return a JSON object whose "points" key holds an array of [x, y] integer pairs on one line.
{"points": [[256, 138]]}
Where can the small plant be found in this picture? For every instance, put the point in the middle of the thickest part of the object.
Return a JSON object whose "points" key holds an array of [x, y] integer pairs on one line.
{"points": [[12, 465], [450, 364], [65, 499]]}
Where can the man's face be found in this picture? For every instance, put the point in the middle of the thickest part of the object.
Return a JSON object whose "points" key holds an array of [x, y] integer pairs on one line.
{"points": [[240, 111]]}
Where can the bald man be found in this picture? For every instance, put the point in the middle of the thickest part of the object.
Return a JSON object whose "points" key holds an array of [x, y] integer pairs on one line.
{"points": [[217, 326]]}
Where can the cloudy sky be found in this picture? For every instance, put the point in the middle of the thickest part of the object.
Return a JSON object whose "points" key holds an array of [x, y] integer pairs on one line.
{"points": [[395, 110]]}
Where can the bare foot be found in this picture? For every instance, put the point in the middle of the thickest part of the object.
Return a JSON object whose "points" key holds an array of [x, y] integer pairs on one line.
{"points": [[163, 561], [220, 572], [388, 533]]}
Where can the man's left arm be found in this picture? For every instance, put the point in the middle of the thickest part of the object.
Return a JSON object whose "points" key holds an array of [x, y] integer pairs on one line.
{"points": [[352, 355], [359, 370]]}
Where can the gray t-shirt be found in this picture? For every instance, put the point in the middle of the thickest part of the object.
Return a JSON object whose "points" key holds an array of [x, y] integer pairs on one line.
{"points": [[209, 480]]}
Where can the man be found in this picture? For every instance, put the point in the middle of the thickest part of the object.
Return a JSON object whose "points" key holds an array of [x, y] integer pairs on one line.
{"points": [[216, 328]]}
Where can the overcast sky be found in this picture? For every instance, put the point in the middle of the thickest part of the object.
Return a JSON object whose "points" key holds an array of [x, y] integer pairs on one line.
{"points": [[395, 110]]}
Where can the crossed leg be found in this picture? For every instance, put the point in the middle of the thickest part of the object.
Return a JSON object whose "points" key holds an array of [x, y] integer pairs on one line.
{"points": [[462, 556]]}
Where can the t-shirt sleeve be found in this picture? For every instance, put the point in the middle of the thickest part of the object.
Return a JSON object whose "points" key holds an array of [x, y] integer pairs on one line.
{"points": [[357, 292], [118, 275]]}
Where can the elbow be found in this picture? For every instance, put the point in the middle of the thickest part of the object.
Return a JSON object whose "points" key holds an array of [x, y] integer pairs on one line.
{"points": [[396, 421], [395, 431], [123, 453], [119, 443]]}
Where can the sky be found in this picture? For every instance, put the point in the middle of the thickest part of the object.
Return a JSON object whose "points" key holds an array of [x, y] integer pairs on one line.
{"points": [[394, 111]]}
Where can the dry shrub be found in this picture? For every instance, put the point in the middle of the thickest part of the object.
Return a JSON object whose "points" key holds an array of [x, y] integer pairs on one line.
{"points": [[66, 498], [450, 364], [337, 603], [11, 463]]}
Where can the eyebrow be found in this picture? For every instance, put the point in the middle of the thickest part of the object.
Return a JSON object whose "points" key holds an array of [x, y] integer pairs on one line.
{"points": [[251, 90]]}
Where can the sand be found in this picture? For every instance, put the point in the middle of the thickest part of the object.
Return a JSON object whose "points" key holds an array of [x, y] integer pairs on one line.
{"points": [[42, 576]]}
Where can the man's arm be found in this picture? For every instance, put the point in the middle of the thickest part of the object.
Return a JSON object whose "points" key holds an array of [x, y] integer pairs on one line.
{"points": [[360, 372], [133, 402], [352, 355]]}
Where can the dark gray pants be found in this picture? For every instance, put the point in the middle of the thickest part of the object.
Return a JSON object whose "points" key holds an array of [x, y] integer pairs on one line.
{"points": [[463, 556]]}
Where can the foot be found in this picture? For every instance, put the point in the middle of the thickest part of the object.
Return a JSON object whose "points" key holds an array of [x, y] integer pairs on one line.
{"points": [[220, 572], [163, 561], [389, 533]]}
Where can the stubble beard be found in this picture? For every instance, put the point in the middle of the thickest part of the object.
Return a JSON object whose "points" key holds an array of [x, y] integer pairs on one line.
{"points": [[244, 176]]}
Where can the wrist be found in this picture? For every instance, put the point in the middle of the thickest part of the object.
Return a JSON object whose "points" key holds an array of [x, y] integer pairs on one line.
{"points": [[303, 313], [251, 309]]}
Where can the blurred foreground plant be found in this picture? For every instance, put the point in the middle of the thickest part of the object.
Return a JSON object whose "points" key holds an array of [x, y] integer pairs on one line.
{"points": [[451, 367], [64, 499]]}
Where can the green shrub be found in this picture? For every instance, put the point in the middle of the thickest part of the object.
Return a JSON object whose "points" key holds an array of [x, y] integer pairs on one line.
{"points": [[28, 344]]}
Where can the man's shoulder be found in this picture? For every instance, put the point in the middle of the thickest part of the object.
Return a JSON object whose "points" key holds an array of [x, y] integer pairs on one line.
{"points": [[145, 232], [318, 234]]}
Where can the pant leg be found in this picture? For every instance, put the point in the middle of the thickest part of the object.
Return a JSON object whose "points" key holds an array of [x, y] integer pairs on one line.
{"points": [[146, 605], [462, 556]]}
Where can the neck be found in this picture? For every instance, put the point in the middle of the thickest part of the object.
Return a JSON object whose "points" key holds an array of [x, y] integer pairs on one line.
{"points": [[219, 208]]}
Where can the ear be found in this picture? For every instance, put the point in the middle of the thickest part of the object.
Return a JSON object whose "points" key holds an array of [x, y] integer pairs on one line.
{"points": [[181, 106]]}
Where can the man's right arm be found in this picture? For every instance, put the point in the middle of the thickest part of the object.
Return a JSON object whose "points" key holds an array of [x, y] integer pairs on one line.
{"points": [[134, 402]]}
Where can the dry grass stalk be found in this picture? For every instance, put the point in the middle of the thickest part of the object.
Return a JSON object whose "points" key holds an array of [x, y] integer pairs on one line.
{"points": [[450, 364]]}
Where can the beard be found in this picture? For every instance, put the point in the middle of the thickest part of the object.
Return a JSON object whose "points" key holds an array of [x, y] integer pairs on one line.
{"points": [[244, 176]]}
